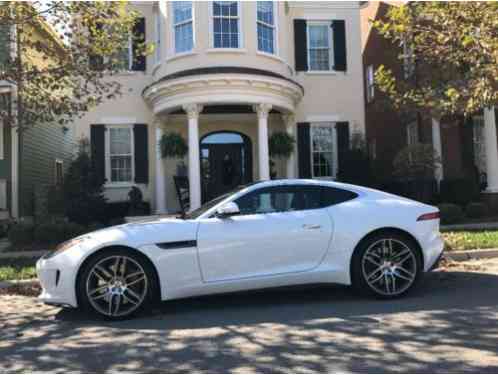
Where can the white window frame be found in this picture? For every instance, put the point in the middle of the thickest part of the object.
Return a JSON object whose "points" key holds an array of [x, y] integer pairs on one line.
{"points": [[172, 33], [412, 135], [327, 23], [211, 28], [108, 173], [56, 163], [370, 83], [275, 29], [335, 157], [130, 53]]}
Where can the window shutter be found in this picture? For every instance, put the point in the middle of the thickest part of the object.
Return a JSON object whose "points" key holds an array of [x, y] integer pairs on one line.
{"points": [[138, 42], [96, 61], [339, 42], [304, 149], [141, 154], [343, 140], [300, 45], [97, 146]]}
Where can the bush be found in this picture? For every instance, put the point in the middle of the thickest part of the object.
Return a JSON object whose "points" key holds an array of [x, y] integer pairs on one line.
{"points": [[95, 226], [49, 233], [21, 234], [450, 213], [423, 190], [459, 191], [71, 230], [476, 210]]}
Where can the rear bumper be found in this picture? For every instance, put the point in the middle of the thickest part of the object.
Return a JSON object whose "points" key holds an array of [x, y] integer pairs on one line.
{"points": [[437, 262]]}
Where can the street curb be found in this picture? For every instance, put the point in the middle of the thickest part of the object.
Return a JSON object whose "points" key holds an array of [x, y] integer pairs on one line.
{"points": [[460, 256], [23, 254], [469, 226], [9, 283]]}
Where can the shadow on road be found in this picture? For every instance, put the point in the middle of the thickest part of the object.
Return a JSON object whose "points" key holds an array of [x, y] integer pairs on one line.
{"points": [[448, 325]]}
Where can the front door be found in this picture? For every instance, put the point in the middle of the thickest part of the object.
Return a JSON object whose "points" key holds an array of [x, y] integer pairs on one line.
{"points": [[277, 232], [225, 163]]}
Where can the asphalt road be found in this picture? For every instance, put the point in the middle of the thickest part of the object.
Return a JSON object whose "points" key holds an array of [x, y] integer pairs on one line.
{"points": [[449, 325]]}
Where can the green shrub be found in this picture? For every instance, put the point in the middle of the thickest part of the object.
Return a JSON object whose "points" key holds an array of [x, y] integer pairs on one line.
{"points": [[459, 191], [450, 213], [95, 226], [117, 221], [48, 233], [71, 230], [21, 234], [476, 210]]}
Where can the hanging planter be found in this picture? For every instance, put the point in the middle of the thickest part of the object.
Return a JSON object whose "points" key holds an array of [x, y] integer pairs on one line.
{"points": [[281, 145], [173, 146]]}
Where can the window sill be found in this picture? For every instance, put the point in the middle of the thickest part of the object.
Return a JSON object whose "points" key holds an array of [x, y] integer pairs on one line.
{"points": [[322, 72], [180, 55], [226, 50], [271, 56]]}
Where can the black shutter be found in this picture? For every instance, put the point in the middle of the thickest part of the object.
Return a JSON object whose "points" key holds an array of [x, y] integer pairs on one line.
{"points": [[141, 154], [343, 140], [339, 42], [96, 61], [304, 149], [300, 45], [97, 145], [139, 59]]}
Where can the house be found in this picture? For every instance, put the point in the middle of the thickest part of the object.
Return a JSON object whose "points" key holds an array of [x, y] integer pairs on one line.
{"points": [[37, 156], [467, 148], [225, 76]]}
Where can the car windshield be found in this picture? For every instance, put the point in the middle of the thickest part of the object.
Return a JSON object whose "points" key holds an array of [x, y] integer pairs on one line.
{"points": [[208, 205]]}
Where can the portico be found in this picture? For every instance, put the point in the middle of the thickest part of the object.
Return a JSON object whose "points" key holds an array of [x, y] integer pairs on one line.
{"points": [[189, 100]]}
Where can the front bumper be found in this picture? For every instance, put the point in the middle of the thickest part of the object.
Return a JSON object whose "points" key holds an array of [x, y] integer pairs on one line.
{"points": [[57, 281]]}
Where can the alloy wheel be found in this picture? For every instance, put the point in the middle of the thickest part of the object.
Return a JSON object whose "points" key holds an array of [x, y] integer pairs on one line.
{"points": [[389, 266], [116, 286]]}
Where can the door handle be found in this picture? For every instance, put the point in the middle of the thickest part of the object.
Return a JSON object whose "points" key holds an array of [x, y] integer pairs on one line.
{"points": [[311, 226]]}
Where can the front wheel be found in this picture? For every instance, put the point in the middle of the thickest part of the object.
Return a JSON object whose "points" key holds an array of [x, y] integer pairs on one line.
{"points": [[386, 266], [115, 285]]}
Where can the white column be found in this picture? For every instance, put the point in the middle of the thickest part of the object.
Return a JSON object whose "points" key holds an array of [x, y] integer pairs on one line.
{"points": [[160, 177], [290, 127], [438, 150], [491, 149], [263, 154], [194, 169]]}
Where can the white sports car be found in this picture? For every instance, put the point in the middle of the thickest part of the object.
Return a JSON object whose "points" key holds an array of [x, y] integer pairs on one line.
{"points": [[267, 234]]}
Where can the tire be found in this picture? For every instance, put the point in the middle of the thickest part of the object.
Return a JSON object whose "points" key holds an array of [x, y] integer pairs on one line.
{"points": [[116, 284], [387, 265]]}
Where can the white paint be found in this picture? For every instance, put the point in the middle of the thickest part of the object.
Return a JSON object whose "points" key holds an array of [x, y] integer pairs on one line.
{"points": [[491, 150], [160, 175], [194, 169], [116, 120], [262, 111], [332, 117], [438, 150], [229, 254]]}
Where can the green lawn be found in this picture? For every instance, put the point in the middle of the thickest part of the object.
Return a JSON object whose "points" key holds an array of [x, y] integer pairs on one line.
{"points": [[468, 240], [17, 269]]}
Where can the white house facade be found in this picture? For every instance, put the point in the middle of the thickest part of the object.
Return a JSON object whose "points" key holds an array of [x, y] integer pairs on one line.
{"points": [[226, 75]]}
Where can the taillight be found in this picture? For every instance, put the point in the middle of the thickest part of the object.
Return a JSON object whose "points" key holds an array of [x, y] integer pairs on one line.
{"points": [[429, 216]]}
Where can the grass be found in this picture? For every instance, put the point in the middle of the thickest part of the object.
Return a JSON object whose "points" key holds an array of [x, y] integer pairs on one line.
{"points": [[17, 269], [468, 240]]}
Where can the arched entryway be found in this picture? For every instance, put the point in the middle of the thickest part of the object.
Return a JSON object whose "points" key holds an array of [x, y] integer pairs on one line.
{"points": [[226, 162]]}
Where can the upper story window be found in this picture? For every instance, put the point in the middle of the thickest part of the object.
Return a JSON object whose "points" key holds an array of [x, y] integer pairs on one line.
{"points": [[266, 26], [120, 154], [370, 83], [226, 24], [319, 46], [183, 26], [124, 57]]}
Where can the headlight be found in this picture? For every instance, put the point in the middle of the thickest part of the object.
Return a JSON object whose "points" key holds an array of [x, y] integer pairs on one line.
{"points": [[65, 246]]}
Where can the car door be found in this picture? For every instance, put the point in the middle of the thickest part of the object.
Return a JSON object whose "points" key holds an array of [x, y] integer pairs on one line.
{"points": [[277, 231]]}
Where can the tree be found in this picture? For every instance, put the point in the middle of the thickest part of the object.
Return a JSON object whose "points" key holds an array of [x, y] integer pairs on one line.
{"points": [[63, 71], [453, 47], [84, 200]]}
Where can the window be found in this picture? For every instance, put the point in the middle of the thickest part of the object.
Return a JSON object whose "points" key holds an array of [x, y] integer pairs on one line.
{"points": [[412, 133], [266, 26], [183, 26], [226, 30], [323, 150], [370, 83], [319, 46], [123, 59], [59, 172], [120, 154], [408, 59]]}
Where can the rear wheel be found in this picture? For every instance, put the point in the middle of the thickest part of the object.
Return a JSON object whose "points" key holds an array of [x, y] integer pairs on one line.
{"points": [[387, 265], [115, 284]]}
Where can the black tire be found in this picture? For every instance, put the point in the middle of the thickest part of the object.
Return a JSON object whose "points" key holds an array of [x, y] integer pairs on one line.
{"points": [[135, 262], [361, 262]]}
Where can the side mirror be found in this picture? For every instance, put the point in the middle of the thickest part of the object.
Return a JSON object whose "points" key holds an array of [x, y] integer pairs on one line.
{"points": [[227, 210]]}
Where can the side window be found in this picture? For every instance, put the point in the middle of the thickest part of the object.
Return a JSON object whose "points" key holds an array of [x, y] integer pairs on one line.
{"points": [[331, 196], [268, 200]]}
